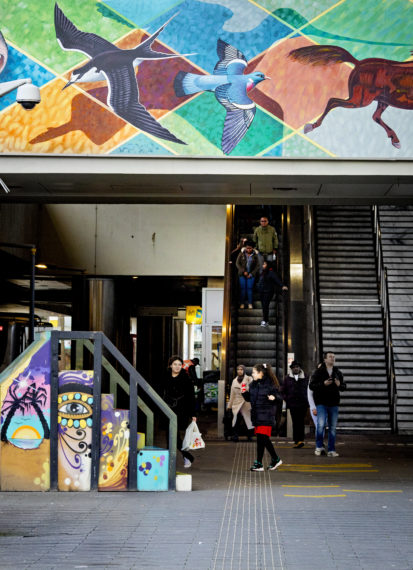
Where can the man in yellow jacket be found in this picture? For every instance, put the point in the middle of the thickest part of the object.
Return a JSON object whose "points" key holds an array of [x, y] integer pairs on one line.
{"points": [[266, 240]]}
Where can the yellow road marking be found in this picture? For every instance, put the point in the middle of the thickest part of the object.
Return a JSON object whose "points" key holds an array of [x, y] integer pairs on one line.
{"points": [[315, 496], [329, 471], [311, 486], [367, 491], [329, 465]]}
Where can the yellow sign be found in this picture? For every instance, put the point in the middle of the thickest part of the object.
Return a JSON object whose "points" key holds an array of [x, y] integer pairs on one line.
{"points": [[193, 315]]}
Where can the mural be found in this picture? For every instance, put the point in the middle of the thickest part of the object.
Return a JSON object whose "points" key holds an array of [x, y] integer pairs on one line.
{"points": [[25, 421], [114, 447], [231, 88], [75, 408], [142, 78], [153, 465], [381, 80]]}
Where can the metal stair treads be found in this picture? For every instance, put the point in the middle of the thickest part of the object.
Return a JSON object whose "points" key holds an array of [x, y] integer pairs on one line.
{"points": [[351, 318], [396, 224]]}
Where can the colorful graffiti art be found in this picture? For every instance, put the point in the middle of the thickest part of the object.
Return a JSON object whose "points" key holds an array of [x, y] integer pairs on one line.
{"points": [[75, 408], [142, 78], [114, 447], [25, 422]]}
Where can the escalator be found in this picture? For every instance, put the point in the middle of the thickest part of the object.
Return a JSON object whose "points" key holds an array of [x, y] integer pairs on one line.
{"points": [[249, 342]]}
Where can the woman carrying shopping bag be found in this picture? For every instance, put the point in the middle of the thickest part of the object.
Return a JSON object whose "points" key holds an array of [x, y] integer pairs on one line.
{"points": [[264, 397], [180, 397]]}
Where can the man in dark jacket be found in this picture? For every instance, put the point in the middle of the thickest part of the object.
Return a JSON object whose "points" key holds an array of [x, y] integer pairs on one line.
{"points": [[327, 383], [294, 392], [267, 283]]}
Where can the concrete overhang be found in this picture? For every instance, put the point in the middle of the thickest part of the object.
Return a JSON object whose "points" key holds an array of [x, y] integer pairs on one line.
{"points": [[137, 179]]}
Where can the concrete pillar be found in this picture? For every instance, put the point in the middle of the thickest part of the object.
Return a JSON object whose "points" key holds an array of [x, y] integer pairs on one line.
{"points": [[296, 329], [103, 304]]}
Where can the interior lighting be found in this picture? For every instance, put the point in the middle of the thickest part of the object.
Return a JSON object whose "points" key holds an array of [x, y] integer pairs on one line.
{"points": [[296, 271], [41, 266]]}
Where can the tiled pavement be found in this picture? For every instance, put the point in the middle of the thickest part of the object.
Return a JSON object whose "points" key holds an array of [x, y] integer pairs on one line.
{"points": [[351, 512]]}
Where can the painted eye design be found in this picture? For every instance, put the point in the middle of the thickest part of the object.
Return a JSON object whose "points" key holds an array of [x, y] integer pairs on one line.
{"points": [[75, 410], [75, 406]]}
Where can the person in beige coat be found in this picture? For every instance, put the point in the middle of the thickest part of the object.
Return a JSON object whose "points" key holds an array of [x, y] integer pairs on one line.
{"points": [[237, 404]]}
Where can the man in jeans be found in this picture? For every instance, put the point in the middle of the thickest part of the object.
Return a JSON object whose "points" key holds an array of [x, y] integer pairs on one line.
{"points": [[327, 383], [265, 236]]}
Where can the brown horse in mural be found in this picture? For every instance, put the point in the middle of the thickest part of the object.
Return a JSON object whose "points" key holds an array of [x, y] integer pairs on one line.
{"points": [[390, 83]]}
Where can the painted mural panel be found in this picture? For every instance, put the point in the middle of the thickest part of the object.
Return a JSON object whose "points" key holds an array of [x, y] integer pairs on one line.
{"points": [[114, 447], [75, 408], [25, 420], [273, 78]]}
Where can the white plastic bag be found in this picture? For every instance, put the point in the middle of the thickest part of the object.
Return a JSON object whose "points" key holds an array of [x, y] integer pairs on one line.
{"points": [[192, 439]]}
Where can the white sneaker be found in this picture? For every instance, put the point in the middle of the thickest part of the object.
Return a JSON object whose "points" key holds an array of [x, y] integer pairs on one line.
{"points": [[274, 464], [241, 306], [319, 451], [263, 324], [332, 454], [250, 306], [187, 463]]}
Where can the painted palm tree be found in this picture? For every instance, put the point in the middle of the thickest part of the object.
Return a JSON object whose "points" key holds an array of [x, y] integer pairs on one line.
{"points": [[37, 397], [12, 404]]}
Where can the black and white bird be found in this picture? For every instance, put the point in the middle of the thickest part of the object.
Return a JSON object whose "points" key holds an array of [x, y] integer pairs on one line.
{"points": [[117, 66]]}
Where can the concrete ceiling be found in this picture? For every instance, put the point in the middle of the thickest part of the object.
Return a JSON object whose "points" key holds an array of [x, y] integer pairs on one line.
{"points": [[100, 179]]}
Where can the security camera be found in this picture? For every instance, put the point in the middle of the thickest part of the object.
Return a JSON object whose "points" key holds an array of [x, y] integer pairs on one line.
{"points": [[28, 95]]}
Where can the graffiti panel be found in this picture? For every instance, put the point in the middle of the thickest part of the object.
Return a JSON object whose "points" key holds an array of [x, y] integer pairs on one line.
{"points": [[114, 447], [25, 420], [75, 408]]}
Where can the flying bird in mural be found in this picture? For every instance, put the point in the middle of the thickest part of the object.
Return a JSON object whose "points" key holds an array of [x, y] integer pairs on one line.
{"points": [[390, 83], [231, 88], [117, 66]]}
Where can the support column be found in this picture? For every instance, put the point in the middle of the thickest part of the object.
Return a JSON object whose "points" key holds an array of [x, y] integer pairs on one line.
{"points": [[297, 328]]}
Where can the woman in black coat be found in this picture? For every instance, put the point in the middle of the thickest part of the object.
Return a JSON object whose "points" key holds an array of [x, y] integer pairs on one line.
{"points": [[264, 396], [267, 283], [180, 397]]}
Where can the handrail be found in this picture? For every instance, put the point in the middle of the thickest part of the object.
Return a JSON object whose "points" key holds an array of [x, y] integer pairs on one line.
{"points": [[135, 380], [283, 265], [316, 285], [117, 380], [385, 306], [226, 321]]}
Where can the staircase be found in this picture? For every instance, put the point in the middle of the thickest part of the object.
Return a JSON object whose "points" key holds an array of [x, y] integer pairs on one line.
{"points": [[396, 225], [59, 431], [351, 323], [250, 343]]}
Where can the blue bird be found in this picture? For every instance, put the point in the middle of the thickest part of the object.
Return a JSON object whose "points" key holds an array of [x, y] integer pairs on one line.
{"points": [[231, 88]]}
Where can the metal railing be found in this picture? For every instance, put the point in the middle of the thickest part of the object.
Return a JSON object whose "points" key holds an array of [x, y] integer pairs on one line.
{"points": [[96, 343], [116, 379], [385, 306]]}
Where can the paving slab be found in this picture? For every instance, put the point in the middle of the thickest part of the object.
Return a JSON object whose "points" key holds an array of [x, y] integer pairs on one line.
{"points": [[354, 511]]}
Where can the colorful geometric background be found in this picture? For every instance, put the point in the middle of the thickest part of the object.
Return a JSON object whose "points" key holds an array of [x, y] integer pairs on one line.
{"points": [[79, 121]]}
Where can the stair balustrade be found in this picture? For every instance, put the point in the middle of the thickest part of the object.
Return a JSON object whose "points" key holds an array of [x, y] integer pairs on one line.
{"points": [[96, 343], [385, 306]]}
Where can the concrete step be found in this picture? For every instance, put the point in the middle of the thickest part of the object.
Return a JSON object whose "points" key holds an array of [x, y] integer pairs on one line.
{"points": [[336, 309], [353, 327], [259, 344], [255, 327]]}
